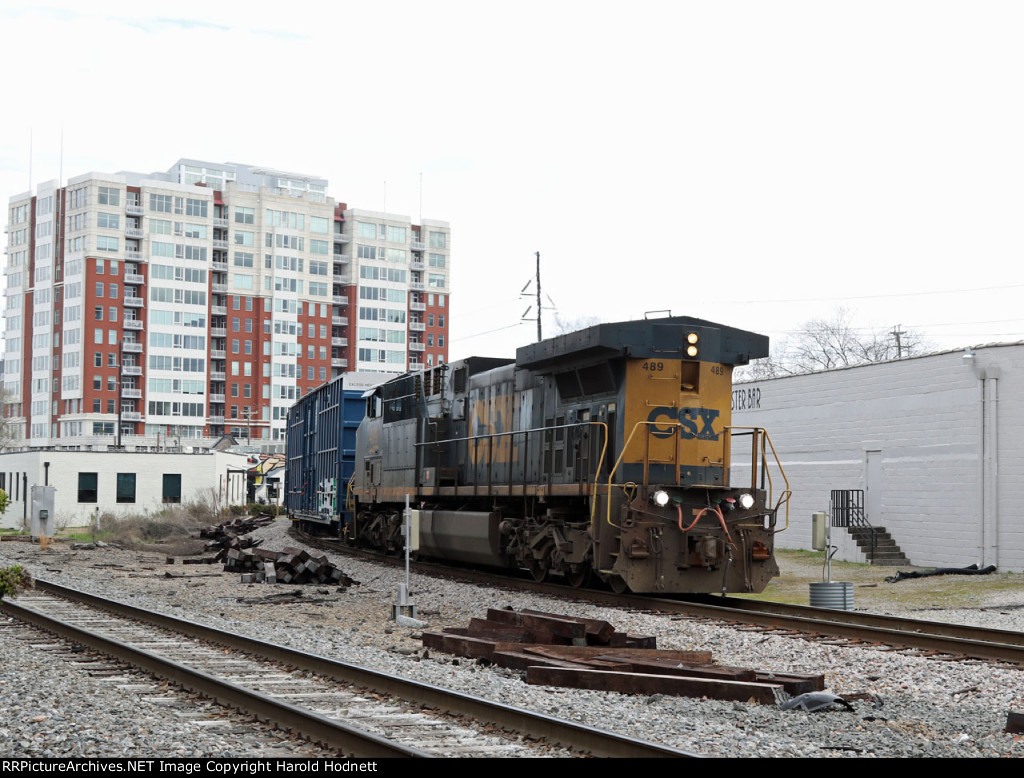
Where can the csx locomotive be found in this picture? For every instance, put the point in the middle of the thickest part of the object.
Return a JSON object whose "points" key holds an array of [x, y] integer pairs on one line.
{"points": [[606, 453]]}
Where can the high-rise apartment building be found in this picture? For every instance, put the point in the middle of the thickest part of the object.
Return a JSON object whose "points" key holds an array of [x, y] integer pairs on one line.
{"points": [[166, 309]]}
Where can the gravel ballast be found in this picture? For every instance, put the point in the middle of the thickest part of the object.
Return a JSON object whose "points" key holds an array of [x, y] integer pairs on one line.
{"points": [[914, 706]]}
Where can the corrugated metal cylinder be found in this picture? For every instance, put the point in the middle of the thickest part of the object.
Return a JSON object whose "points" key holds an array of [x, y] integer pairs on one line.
{"points": [[832, 594]]}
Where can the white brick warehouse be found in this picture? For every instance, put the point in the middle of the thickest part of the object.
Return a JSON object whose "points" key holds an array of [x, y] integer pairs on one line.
{"points": [[936, 442]]}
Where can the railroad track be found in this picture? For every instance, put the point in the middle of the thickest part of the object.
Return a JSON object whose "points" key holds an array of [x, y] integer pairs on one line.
{"points": [[940, 638], [352, 710]]}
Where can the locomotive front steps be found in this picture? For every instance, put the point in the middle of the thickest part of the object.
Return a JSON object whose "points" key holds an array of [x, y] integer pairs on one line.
{"points": [[878, 546]]}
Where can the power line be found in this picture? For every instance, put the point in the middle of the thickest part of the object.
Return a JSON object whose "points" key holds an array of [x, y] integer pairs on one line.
{"points": [[877, 296]]}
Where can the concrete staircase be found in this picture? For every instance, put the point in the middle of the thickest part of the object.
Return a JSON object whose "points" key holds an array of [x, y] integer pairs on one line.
{"points": [[878, 546]]}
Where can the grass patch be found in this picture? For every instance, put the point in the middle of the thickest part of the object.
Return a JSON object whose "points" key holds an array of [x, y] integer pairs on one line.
{"points": [[871, 592]]}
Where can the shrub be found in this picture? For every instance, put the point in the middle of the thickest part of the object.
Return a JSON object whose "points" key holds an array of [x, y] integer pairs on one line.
{"points": [[13, 580]]}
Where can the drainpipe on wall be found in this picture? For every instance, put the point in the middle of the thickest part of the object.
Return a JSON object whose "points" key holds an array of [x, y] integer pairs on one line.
{"points": [[989, 466]]}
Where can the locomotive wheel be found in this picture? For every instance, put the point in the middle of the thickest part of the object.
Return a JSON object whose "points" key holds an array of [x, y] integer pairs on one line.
{"points": [[579, 576], [617, 585], [538, 570]]}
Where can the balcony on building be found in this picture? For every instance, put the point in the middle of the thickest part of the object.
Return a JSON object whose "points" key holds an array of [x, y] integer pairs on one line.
{"points": [[218, 354], [218, 310], [219, 222], [215, 419], [131, 416], [219, 288], [338, 300], [131, 370], [414, 346], [133, 254], [417, 306], [416, 286], [134, 302], [418, 245], [132, 347], [339, 341], [339, 362], [417, 326], [131, 394], [218, 332], [218, 376], [133, 324], [218, 265], [341, 259], [415, 365], [340, 238], [217, 398], [339, 321], [134, 278], [220, 244], [134, 232], [418, 264], [134, 208]]}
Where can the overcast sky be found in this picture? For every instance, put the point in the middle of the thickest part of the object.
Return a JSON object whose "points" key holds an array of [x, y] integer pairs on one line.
{"points": [[753, 163]]}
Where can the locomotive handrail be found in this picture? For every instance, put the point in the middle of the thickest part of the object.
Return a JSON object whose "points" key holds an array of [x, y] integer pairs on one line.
{"points": [[761, 434], [490, 436]]}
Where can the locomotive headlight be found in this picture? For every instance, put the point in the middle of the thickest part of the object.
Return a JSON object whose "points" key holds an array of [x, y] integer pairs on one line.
{"points": [[691, 344], [660, 498], [746, 501]]}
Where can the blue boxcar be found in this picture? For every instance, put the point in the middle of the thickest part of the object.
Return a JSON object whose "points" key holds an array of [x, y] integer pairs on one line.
{"points": [[321, 448]]}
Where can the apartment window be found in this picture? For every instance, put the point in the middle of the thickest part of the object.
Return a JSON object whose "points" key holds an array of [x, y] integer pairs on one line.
{"points": [[245, 215], [87, 487], [99, 313], [437, 240], [110, 221], [158, 202], [172, 487], [196, 207], [99, 289], [97, 359], [126, 487], [109, 196]]}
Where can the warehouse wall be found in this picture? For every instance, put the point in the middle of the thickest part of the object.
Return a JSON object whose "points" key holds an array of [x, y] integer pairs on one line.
{"points": [[935, 441]]}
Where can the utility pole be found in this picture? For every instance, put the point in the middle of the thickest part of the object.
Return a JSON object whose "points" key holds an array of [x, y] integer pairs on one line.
{"points": [[897, 333], [539, 336]]}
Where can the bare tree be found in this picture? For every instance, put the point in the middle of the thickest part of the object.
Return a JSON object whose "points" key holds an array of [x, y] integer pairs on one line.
{"points": [[564, 326], [824, 344]]}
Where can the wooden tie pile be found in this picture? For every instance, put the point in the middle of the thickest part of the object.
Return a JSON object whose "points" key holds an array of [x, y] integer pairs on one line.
{"points": [[241, 554], [290, 565], [559, 650]]}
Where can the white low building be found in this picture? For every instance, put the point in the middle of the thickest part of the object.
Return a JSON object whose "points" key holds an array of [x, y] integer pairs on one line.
{"points": [[935, 443], [88, 484]]}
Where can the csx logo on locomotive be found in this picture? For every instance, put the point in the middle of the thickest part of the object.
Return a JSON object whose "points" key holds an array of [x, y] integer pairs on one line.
{"points": [[689, 419]]}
